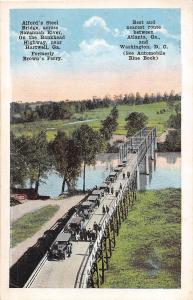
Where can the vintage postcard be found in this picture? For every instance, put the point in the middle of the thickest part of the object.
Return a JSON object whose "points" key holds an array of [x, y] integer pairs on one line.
{"points": [[96, 110]]}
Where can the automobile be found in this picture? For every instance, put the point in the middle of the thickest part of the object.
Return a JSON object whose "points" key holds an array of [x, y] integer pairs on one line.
{"points": [[113, 176], [104, 186], [87, 207], [118, 169], [93, 199], [99, 193], [124, 162], [75, 223], [121, 165], [58, 249]]}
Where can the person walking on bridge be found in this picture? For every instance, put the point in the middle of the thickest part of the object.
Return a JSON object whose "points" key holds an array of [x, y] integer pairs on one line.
{"points": [[93, 235], [98, 203], [112, 190], [91, 246], [69, 249], [84, 232], [77, 236], [95, 226], [89, 234]]}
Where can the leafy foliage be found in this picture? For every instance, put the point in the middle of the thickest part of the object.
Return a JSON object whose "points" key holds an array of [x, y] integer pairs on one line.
{"points": [[89, 143], [38, 159], [109, 125], [31, 112], [173, 141], [18, 159], [134, 122], [29, 159], [175, 121], [67, 160], [93, 118]]}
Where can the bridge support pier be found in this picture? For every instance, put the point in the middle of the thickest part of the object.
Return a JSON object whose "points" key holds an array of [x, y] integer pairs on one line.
{"points": [[138, 178], [155, 143], [152, 151], [154, 138], [109, 240], [102, 268], [106, 254], [147, 164], [96, 269], [117, 221], [113, 230]]}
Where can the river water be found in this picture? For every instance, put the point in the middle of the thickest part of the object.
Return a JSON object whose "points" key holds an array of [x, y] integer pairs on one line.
{"points": [[165, 172]]}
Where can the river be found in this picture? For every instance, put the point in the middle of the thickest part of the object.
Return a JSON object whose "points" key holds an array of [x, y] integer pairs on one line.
{"points": [[165, 172]]}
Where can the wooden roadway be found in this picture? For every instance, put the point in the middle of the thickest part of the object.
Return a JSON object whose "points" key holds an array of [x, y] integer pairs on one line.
{"points": [[82, 269]]}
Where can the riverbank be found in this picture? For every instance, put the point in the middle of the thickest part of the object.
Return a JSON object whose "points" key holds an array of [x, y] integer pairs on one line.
{"points": [[169, 141], [147, 253]]}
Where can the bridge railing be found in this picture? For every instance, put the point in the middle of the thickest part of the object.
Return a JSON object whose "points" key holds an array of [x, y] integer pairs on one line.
{"points": [[141, 142], [36, 271], [106, 221]]}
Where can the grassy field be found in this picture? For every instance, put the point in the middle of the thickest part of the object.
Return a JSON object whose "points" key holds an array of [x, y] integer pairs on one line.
{"points": [[94, 118], [147, 253], [30, 223]]}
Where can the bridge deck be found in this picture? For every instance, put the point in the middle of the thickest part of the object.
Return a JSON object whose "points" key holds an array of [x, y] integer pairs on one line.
{"points": [[62, 274]]}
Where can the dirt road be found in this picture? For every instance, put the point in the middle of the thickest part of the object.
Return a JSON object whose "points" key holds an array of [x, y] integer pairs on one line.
{"points": [[20, 210]]}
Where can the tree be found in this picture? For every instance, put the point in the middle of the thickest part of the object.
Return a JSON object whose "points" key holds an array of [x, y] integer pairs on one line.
{"points": [[173, 141], [171, 100], [165, 97], [89, 143], [28, 115], [38, 160], [134, 122], [158, 97], [138, 98], [146, 98], [67, 160], [152, 98], [114, 113], [29, 159], [74, 164], [178, 108], [109, 124], [18, 162], [174, 121], [131, 99]]}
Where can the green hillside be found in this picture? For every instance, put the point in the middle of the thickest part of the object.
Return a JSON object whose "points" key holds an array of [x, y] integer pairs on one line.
{"points": [[93, 118]]}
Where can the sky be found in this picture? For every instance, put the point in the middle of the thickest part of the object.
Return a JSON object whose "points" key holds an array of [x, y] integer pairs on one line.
{"points": [[92, 62]]}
